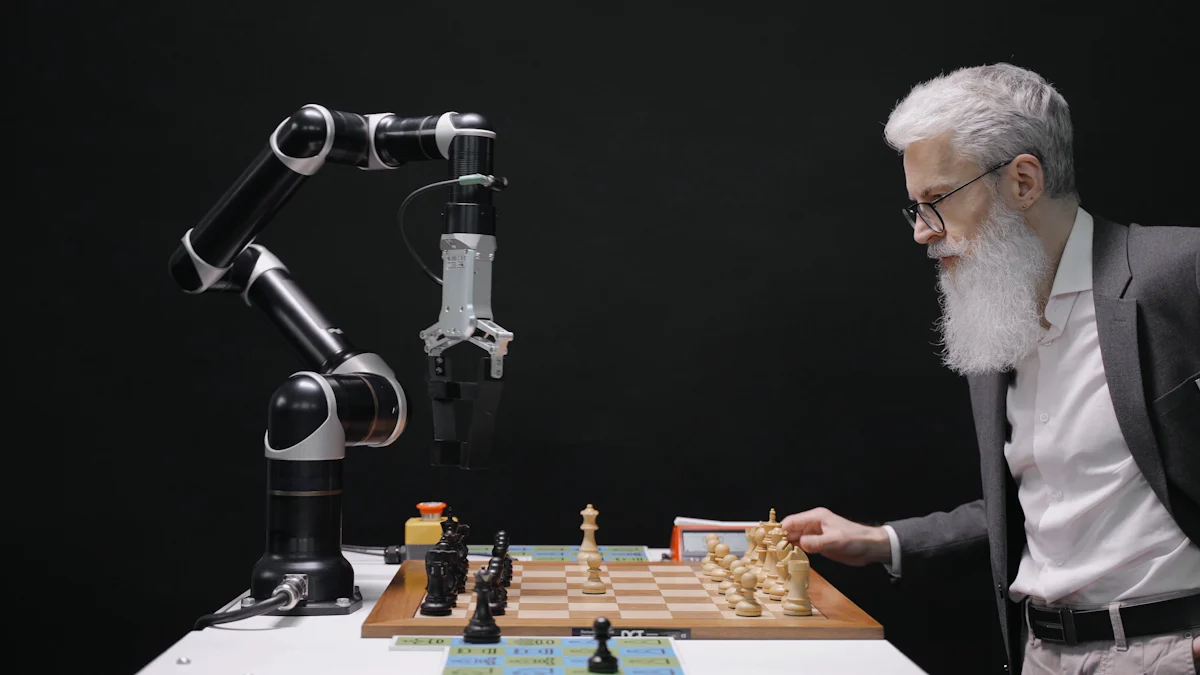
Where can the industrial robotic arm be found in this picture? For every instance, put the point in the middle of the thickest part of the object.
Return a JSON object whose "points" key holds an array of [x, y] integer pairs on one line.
{"points": [[351, 397]]}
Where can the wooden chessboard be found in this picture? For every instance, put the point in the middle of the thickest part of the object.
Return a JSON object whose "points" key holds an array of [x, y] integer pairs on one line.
{"points": [[546, 598]]}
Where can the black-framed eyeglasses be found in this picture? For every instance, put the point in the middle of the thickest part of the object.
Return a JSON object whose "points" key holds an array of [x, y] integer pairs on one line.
{"points": [[927, 211]]}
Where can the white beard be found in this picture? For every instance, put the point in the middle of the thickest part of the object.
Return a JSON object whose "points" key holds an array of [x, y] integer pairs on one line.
{"points": [[991, 312]]}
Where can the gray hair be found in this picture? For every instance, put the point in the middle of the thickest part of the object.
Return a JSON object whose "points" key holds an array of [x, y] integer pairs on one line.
{"points": [[994, 113]]}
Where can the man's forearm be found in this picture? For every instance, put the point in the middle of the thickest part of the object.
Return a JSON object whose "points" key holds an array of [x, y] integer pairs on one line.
{"points": [[939, 533]]}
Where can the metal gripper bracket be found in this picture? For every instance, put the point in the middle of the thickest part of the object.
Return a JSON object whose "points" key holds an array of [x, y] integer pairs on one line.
{"points": [[467, 300]]}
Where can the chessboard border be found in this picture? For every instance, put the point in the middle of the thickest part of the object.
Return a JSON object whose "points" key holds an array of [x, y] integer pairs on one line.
{"points": [[840, 619]]}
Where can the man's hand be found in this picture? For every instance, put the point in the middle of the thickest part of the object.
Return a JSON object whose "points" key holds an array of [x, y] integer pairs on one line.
{"points": [[1196, 650], [822, 531]]}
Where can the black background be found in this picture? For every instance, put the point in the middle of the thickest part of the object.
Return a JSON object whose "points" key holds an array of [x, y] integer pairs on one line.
{"points": [[718, 308]]}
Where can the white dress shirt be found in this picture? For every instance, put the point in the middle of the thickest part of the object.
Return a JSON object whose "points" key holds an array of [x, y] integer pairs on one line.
{"points": [[1095, 531]]}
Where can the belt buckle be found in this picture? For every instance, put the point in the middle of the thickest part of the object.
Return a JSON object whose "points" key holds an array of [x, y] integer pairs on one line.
{"points": [[1065, 626]]}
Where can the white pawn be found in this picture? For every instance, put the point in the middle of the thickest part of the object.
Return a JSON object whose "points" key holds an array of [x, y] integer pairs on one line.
{"points": [[733, 594], [725, 572], [593, 585], [710, 561], [748, 605], [721, 569]]}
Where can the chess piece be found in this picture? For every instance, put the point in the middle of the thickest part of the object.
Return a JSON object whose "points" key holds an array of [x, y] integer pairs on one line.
{"points": [[451, 546], [797, 602], [751, 544], [460, 547], [760, 548], [748, 605], [500, 549], [719, 551], [721, 572], [728, 563], [745, 557], [785, 547], [779, 588], [436, 602], [760, 551], [446, 562], [593, 585], [603, 660], [589, 528], [799, 554], [770, 524], [733, 595], [506, 577], [768, 565], [768, 575], [498, 597], [482, 628], [710, 558]]}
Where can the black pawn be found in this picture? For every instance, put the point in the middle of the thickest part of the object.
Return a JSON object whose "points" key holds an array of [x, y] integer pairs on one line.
{"points": [[602, 661], [482, 628], [500, 550], [436, 602], [499, 595]]}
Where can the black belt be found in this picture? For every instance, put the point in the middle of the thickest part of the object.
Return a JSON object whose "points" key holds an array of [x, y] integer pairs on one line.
{"points": [[1073, 626]]}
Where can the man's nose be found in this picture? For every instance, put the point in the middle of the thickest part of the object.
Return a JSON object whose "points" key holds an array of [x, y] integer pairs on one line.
{"points": [[923, 233]]}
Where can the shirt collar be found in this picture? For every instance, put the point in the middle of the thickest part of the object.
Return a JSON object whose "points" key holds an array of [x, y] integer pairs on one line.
{"points": [[1075, 268]]}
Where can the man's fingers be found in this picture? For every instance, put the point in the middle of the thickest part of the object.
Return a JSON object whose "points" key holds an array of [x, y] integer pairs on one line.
{"points": [[805, 522], [816, 543]]}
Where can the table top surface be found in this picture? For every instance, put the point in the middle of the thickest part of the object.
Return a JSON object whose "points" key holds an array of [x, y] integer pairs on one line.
{"points": [[280, 645]]}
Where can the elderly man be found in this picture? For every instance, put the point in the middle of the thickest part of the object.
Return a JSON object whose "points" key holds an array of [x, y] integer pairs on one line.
{"points": [[1080, 340]]}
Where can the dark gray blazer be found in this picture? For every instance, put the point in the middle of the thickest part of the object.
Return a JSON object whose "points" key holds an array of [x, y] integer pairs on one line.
{"points": [[1146, 286]]}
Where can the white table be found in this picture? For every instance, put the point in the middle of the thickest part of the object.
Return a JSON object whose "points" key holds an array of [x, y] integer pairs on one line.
{"points": [[319, 645]]}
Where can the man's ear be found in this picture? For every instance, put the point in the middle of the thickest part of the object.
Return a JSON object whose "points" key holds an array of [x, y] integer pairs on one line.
{"points": [[1029, 180]]}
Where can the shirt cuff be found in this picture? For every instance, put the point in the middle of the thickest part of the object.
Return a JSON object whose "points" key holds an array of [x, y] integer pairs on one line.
{"points": [[894, 568]]}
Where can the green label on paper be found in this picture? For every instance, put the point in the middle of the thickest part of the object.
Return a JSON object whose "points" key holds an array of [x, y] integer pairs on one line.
{"points": [[534, 642], [423, 641]]}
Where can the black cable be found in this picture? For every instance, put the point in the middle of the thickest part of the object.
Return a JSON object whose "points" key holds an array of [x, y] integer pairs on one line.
{"points": [[369, 550], [273, 602], [392, 555], [400, 217]]}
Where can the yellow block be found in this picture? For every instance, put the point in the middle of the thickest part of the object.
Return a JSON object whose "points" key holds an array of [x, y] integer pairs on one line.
{"points": [[426, 528]]}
